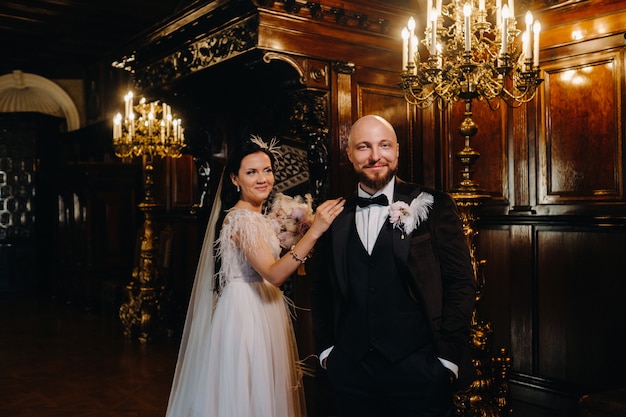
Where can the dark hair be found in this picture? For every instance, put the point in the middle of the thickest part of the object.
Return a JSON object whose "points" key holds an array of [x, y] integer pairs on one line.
{"points": [[229, 194]]}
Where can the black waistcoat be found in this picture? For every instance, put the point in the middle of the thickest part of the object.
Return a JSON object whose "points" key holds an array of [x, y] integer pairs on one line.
{"points": [[379, 312]]}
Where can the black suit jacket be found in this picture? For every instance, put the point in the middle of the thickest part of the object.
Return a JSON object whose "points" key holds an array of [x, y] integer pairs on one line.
{"points": [[440, 275]]}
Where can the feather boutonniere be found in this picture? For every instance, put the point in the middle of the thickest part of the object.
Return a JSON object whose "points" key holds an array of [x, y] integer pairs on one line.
{"points": [[407, 217]]}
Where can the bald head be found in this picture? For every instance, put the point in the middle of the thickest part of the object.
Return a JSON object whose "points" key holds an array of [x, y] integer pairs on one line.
{"points": [[371, 124], [373, 150]]}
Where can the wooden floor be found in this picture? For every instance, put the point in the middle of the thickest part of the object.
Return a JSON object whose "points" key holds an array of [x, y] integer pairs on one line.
{"points": [[57, 360], [60, 361]]}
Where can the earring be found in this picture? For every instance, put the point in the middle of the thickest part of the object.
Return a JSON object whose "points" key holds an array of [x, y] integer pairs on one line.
{"points": [[238, 189]]}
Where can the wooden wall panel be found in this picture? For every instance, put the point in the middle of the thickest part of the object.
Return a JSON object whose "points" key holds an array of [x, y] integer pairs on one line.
{"points": [[581, 152], [581, 317], [184, 182], [507, 299], [496, 293]]}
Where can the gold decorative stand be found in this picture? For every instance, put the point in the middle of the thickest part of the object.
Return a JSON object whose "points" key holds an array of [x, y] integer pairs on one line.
{"points": [[144, 292], [146, 130], [487, 396]]}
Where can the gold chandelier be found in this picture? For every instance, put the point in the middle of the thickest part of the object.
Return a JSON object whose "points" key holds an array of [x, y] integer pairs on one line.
{"points": [[471, 50], [147, 129]]}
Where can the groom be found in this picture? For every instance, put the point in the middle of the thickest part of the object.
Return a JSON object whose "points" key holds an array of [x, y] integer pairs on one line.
{"points": [[393, 290]]}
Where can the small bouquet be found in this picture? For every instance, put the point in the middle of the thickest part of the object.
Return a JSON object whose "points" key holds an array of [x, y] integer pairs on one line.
{"points": [[291, 217]]}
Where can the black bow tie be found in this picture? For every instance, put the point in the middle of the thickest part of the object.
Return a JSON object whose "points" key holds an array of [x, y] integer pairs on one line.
{"points": [[381, 200]]}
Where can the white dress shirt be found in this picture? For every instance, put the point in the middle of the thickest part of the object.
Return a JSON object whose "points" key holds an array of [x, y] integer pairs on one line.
{"points": [[370, 220]]}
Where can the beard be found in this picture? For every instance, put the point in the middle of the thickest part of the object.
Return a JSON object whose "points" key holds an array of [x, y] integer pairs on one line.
{"points": [[377, 182]]}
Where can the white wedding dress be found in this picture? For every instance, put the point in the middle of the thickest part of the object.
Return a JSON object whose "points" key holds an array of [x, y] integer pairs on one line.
{"points": [[242, 361]]}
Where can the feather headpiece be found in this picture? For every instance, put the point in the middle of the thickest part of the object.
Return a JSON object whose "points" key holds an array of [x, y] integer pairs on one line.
{"points": [[273, 146]]}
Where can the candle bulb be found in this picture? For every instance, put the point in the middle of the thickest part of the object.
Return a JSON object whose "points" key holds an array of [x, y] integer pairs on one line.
{"points": [[412, 43], [166, 117], [527, 45], [433, 31], [505, 30], [405, 48], [536, 31], [131, 125], [512, 8], [498, 11], [116, 123], [525, 41], [467, 12], [481, 5]]}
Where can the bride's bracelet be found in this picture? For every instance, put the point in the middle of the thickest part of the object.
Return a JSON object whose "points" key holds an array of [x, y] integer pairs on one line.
{"points": [[296, 257]]}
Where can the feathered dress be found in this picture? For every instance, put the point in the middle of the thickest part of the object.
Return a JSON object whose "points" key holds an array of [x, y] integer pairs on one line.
{"points": [[248, 364]]}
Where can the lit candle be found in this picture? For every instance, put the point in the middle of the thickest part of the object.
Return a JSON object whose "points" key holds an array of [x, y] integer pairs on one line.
{"points": [[131, 125], [412, 43], [525, 41], [166, 116], [433, 31], [128, 100], [481, 5], [117, 126], [498, 11], [505, 29], [527, 46], [175, 128], [467, 12], [405, 48], [536, 31], [151, 119]]}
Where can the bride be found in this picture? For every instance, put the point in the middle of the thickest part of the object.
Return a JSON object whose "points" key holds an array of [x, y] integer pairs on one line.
{"points": [[238, 355]]}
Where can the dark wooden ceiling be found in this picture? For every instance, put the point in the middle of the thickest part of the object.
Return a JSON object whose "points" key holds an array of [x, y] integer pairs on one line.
{"points": [[63, 38]]}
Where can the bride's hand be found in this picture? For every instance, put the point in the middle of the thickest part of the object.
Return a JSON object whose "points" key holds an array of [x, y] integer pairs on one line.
{"points": [[325, 214]]}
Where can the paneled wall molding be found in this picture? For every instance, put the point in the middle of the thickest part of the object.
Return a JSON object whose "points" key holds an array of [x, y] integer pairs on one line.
{"points": [[555, 4], [353, 15], [583, 110]]}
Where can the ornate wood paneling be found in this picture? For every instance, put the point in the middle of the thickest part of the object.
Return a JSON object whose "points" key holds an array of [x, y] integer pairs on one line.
{"points": [[580, 156]]}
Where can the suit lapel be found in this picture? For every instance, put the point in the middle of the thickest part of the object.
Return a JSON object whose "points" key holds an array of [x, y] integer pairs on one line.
{"points": [[406, 192], [340, 233]]}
